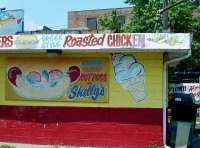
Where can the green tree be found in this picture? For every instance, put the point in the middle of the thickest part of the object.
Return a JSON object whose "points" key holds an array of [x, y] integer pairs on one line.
{"points": [[183, 18], [142, 17], [187, 20], [109, 22]]}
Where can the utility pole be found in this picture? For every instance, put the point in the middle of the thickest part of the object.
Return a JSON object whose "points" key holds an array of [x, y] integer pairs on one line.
{"points": [[165, 15], [160, 11]]}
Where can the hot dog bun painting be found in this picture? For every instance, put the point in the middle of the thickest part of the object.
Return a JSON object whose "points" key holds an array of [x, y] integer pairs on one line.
{"points": [[42, 85]]}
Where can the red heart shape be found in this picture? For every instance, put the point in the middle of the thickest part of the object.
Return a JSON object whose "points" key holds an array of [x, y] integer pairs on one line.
{"points": [[35, 76], [74, 73], [12, 74]]}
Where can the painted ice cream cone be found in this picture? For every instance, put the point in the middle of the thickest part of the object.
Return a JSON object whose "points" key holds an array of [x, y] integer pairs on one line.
{"points": [[131, 75], [136, 88]]}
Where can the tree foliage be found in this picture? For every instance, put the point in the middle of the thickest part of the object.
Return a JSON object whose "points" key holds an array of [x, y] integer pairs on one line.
{"points": [[142, 17], [183, 18], [109, 22]]}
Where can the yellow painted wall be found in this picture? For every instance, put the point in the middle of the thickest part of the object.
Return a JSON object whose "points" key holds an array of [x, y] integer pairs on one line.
{"points": [[166, 58], [118, 97]]}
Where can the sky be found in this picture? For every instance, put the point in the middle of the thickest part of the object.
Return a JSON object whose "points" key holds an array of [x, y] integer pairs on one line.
{"points": [[53, 13]]}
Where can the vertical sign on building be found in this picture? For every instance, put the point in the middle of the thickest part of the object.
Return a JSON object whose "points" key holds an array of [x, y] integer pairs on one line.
{"points": [[11, 21]]}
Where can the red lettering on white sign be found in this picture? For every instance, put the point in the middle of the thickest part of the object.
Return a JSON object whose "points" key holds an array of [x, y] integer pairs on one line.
{"points": [[117, 40], [90, 40], [126, 40], [6, 41]]}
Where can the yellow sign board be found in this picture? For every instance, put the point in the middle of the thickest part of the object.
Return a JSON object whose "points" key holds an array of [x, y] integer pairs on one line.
{"points": [[59, 79]]}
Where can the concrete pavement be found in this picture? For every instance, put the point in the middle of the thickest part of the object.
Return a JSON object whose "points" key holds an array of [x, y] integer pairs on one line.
{"points": [[20, 145]]}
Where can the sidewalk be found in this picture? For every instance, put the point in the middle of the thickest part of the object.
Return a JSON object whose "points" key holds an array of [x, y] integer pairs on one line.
{"points": [[20, 145]]}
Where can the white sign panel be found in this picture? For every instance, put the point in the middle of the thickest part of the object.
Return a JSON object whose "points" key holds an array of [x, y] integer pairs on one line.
{"points": [[187, 88], [159, 42]]}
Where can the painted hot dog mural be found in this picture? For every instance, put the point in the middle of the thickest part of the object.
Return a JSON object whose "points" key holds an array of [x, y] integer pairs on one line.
{"points": [[59, 79], [43, 85]]}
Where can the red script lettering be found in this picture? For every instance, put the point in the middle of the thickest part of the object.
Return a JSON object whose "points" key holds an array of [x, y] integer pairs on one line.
{"points": [[90, 40]]}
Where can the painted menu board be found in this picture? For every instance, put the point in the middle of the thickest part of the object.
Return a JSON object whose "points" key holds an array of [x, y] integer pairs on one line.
{"points": [[61, 79]]}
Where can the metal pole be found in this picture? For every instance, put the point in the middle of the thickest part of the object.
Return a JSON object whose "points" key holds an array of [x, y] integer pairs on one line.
{"points": [[165, 9], [165, 15]]}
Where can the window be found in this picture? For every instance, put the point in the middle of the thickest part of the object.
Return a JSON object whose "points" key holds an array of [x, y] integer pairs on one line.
{"points": [[92, 23], [122, 20]]}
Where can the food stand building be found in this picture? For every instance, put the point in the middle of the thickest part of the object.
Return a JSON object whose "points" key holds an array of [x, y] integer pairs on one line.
{"points": [[87, 89]]}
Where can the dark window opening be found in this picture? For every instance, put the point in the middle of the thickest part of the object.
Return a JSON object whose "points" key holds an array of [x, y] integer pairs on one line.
{"points": [[92, 23], [122, 20]]}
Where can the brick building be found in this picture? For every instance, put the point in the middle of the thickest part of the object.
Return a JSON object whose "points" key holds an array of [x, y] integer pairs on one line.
{"points": [[88, 18]]}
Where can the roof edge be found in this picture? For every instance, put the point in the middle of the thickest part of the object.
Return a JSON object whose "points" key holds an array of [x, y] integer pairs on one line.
{"points": [[100, 9]]}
